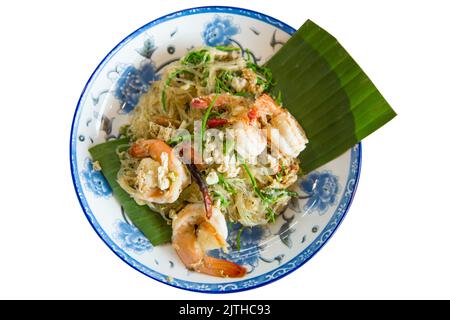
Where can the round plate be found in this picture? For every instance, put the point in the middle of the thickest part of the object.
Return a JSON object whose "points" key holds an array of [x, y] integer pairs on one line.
{"points": [[113, 91]]}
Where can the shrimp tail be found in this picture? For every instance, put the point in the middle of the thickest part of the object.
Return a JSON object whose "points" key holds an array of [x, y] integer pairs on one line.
{"points": [[220, 268]]}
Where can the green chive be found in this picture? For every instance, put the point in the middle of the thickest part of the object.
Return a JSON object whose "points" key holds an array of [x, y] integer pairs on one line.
{"points": [[206, 116], [253, 181], [223, 81], [278, 98], [247, 54], [178, 139], [215, 114], [270, 216], [242, 94], [238, 238], [272, 195], [229, 144], [224, 182], [268, 196], [196, 58], [223, 200], [223, 48]]}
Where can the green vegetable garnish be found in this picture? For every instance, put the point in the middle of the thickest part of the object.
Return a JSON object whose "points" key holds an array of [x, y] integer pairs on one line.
{"points": [[243, 94], [263, 75], [272, 195], [223, 81], [278, 98], [223, 200], [228, 146], [221, 86], [280, 174], [215, 114], [238, 238], [205, 118], [247, 55], [223, 48], [178, 139], [195, 58], [279, 177], [205, 75], [167, 84], [224, 182], [270, 215], [253, 182], [268, 196]]}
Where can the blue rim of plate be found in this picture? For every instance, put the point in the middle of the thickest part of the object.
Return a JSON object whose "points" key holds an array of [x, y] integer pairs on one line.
{"points": [[247, 284]]}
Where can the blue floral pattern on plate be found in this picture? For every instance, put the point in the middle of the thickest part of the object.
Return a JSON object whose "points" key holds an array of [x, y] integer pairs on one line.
{"points": [[131, 238], [147, 49], [219, 31], [322, 189], [249, 252], [95, 181], [132, 83]]}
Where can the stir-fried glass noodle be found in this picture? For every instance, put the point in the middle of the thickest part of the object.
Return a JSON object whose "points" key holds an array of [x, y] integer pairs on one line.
{"points": [[210, 145]]}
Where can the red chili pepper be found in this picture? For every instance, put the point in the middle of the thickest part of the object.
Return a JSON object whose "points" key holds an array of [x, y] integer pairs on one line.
{"points": [[203, 188], [216, 122], [252, 114]]}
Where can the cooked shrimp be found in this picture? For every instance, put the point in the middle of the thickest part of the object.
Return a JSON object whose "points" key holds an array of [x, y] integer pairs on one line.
{"points": [[285, 133], [160, 175], [250, 140], [194, 234]]}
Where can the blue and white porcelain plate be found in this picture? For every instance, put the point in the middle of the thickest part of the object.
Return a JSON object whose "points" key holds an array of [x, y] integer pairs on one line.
{"points": [[114, 90]]}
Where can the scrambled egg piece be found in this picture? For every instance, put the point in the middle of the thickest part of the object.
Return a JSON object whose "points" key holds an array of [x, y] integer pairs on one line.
{"points": [[151, 174]]}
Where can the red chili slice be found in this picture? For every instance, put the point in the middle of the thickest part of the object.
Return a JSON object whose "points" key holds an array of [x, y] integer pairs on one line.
{"points": [[216, 122], [252, 114]]}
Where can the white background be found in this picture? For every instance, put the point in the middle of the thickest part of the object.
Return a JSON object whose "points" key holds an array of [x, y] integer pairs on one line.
{"points": [[395, 241]]}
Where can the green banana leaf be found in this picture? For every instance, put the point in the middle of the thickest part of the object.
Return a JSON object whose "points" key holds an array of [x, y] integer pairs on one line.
{"points": [[330, 95], [150, 223]]}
